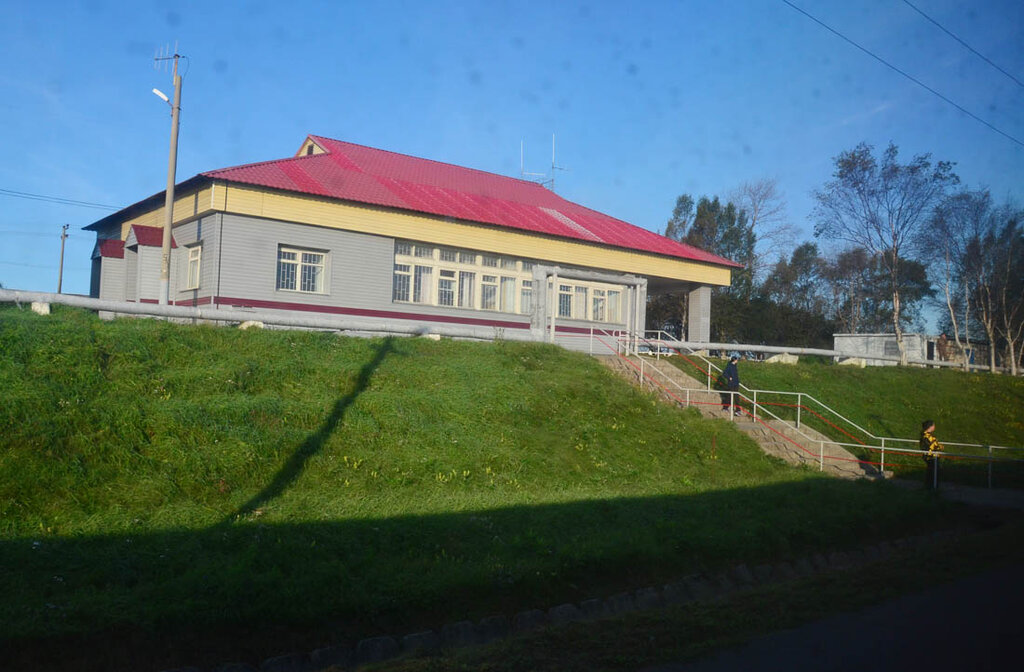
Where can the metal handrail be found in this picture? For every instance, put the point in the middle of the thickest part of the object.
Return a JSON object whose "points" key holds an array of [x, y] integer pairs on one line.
{"points": [[828, 408]]}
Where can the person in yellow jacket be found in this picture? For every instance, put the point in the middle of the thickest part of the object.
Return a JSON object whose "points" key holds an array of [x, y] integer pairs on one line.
{"points": [[933, 449]]}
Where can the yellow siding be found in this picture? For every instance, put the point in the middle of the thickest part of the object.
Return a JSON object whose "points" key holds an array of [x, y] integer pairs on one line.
{"points": [[252, 201], [187, 206], [397, 224]]}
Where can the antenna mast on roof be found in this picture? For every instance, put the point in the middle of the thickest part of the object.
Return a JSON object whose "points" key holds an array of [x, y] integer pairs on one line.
{"points": [[543, 180]]}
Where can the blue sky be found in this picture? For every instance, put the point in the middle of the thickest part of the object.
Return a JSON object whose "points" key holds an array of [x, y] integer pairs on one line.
{"points": [[647, 100]]}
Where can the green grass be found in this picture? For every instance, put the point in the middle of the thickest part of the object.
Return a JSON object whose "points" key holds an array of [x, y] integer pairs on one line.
{"points": [[978, 408], [196, 494]]}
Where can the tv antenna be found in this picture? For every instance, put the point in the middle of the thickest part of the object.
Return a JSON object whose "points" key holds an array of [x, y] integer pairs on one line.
{"points": [[543, 180]]}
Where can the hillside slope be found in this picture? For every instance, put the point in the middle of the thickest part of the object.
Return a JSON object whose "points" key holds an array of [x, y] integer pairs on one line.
{"points": [[191, 492]]}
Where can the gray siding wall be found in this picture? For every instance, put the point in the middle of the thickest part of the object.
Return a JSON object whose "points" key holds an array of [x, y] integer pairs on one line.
{"points": [[359, 272], [358, 269], [131, 274], [205, 231], [112, 279], [149, 273]]}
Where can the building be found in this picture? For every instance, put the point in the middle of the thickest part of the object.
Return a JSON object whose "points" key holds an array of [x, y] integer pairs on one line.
{"points": [[343, 229]]}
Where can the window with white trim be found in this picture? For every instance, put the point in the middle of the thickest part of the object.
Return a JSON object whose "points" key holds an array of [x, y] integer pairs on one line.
{"points": [[458, 278], [300, 270], [421, 284], [526, 297], [564, 300], [402, 284], [579, 307], [446, 282], [467, 289], [195, 256], [597, 311], [489, 292]]}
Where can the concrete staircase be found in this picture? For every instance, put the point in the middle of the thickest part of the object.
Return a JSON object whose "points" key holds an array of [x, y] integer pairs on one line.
{"points": [[803, 446]]}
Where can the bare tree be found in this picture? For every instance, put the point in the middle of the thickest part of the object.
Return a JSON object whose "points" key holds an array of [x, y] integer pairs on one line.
{"points": [[961, 219], [766, 210], [883, 207]]}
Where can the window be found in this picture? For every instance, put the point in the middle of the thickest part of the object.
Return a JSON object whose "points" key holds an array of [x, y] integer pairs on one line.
{"points": [[579, 308], [467, 257], [195, 254], [597, 312], [527, 265], [507, 263], [449, 255], [300, 270], [403, 278], [467, 295], [446, 288], [489, 260], [489, 292], [614, 301], [526, 297], [421, 286], [508, 295], [425, 251], [565, 300]]}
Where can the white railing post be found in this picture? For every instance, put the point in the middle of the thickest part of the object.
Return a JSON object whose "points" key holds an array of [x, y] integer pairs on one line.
{"points": [[821, 456], [883, 458], [755, 404], [641, 372], [990, 467], [591, 341], [709, 376], [799, 405]]}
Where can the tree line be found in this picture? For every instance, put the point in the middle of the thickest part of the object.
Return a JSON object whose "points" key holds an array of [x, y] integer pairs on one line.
{"points": [[898, 238]]}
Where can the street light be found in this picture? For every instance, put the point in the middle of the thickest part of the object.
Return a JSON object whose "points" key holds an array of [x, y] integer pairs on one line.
{"points": [[165, 249]]}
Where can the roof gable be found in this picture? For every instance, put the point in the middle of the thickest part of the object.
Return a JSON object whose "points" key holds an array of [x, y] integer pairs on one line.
{"points": [[361, 174], [146, 236]]}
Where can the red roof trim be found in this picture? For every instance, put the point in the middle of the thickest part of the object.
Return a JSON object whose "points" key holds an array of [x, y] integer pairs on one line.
{"points": [[111, 248], [150, 236]]}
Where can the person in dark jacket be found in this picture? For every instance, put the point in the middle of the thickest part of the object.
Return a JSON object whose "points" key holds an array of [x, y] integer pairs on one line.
{"points": [[932, 449], [731, 382]]}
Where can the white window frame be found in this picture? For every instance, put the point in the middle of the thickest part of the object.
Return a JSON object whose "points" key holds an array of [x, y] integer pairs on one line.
{"points": [[301, 264], [193, 266]]}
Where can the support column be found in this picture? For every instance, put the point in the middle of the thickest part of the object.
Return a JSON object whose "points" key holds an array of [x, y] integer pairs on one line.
{"points": [[699, 315]]}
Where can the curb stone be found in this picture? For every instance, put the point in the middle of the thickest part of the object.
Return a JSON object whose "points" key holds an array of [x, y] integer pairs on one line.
{"points": [[525, 621], [564, 614], [493, 628], [421, 642], [457, 635], [289, 662], [376, 649], [324, 657]]}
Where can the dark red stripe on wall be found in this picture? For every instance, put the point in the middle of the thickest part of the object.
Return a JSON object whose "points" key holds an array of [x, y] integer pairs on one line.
{"points": [[362, 312]]}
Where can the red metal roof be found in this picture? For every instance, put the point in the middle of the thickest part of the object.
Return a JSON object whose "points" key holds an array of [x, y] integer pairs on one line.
{"points": [[111, 247], [150, 236], [378, 177]]}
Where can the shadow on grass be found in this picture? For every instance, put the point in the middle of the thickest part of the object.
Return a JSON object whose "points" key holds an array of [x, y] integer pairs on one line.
{"points": [[248, 591], [293, 468]]}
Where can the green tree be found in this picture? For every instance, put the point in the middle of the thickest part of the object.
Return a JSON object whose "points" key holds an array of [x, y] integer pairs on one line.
{"points": [[884, 207]]}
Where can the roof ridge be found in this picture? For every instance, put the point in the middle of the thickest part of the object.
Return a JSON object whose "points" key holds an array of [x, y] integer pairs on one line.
{"points": [[257, 164], [434, 161]]}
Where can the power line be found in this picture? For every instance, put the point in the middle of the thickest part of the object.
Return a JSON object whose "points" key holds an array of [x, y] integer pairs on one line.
{"points": [[893, 67], [972, 49], [56, 199]]}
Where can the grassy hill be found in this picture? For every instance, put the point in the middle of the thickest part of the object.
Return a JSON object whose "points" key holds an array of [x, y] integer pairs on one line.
{"points": [[977, 408], [197, 494]]}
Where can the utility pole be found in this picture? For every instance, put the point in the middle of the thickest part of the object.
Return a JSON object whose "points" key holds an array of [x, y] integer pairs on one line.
{"points": [[60, 271], [172, 163]]}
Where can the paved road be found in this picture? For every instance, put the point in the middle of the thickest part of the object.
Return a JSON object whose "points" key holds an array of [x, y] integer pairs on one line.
{"points": [[976, 623]]}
